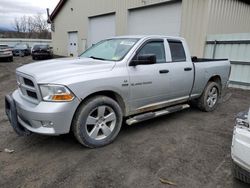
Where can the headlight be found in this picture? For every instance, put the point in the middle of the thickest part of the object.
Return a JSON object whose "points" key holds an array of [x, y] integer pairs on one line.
{"points": [[56, 93], [242, 119], [7, 52], [242, 122]]}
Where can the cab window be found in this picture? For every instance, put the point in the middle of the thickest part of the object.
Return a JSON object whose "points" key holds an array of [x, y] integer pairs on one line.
{"points": [[177, 50], [156, 48]]}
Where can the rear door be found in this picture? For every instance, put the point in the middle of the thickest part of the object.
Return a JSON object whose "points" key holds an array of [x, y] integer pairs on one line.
{"points": [[181, 70], [149, 84]]}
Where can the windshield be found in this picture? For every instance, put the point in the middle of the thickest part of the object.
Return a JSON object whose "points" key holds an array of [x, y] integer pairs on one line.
{"points": [[41, 46], [20, 46], [3, 46], [110, 49]]}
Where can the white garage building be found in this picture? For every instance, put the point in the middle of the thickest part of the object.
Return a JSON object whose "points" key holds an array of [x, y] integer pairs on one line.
{"points": [[77, 24]]}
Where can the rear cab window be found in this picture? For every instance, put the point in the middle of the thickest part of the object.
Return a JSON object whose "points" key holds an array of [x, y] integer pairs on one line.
{"points": [[177, 50]]}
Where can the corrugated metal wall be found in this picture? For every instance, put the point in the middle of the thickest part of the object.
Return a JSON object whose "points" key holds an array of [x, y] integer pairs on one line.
{"points": [[199, 18], [228, 16], [76, 19], [195, 15], [235, 47], [203, 17]]}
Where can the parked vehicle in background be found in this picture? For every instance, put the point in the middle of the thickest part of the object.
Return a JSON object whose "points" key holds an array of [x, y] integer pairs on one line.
{"points": [[11, 47], [131, 77], [6, 53], [241, 147], [21, 50], [41, 51]]}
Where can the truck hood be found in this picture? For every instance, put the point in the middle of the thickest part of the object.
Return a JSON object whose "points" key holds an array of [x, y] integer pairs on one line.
{"points": [[55, 70]]}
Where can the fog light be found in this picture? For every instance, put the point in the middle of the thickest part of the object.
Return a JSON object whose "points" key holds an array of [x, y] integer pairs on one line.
{"points": [[47, 123]]}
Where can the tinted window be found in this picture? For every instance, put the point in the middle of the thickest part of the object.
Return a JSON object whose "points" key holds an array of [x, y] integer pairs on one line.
{"points": [[21, 46], [177, 51], [40, 47], [3, 46], [156, 48]]}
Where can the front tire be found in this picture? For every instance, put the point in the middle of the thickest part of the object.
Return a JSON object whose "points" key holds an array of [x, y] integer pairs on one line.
{"points": [[10, 59], [97, 122], [210, 97], [35, 58]]}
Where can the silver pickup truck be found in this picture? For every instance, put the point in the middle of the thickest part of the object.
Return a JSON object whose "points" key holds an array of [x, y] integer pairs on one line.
{"points": [[131, 78]]}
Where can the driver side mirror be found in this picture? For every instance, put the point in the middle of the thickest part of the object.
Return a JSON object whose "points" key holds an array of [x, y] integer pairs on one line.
{"points": [[147, 59]]}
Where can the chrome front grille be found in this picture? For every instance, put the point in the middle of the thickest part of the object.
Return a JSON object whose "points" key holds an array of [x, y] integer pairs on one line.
{"points": [[27, 87]]}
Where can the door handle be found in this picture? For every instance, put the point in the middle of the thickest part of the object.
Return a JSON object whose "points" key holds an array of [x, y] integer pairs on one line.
{"points": [[164, 71], [187, 69]]}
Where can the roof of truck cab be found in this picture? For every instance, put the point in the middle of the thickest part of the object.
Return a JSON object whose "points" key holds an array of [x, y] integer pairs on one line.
{"points": [[147, 36]]}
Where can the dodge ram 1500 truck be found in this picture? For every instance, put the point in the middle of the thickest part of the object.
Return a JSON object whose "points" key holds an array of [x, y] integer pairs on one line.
{"points": [[132, 78]]}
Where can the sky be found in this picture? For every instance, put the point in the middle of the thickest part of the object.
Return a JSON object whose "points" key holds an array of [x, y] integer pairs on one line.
{"points": [[10, 9]]}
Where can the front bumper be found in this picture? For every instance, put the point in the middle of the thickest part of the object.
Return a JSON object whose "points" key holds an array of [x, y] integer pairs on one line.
{"points": [[41, 54], [240, 150], [6, 55], [49, 118]]}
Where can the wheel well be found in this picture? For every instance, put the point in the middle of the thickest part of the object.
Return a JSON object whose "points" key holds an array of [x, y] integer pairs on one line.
{"points": [[113, 95], [216, 79]]}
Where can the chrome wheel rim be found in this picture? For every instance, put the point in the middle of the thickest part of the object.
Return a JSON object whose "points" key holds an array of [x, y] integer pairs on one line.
{"points": [[100, 122], [212, 97]]}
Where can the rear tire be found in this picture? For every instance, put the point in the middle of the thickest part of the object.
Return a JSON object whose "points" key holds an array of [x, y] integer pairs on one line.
{"points": [[97, 122], [209, 99], [240, 173]]}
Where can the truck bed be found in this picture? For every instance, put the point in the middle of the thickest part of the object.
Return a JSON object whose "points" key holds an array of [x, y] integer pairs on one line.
{"points": [[208, 68], [200, 60]]}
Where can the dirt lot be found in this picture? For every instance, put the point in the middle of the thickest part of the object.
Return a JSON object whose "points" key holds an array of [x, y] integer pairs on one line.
{"points": [[190, 148]]}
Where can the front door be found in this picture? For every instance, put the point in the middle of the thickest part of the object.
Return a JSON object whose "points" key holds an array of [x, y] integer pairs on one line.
{"points": [[149, 84], [72, 44]]}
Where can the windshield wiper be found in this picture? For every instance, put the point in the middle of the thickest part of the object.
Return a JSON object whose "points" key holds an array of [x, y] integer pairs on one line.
{"points": [[99, 58]]}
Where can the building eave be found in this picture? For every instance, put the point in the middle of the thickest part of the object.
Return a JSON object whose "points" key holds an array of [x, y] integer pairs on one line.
{"points": [[57, 9]]}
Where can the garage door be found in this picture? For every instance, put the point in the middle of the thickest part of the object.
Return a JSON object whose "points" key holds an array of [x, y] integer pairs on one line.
{"points": [[101, 27], [164, 19]]}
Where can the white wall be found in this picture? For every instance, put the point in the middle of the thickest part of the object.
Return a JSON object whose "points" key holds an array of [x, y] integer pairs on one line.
{"points": [[30, 42]]}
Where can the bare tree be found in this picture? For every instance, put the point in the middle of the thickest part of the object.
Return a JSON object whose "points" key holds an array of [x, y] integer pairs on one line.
{"points": [[17, 25], [32, 27], [23, 24]]}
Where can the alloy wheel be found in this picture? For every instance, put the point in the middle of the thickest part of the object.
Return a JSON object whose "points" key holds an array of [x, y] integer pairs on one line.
{"points": [[212, 97], [100, 122]]}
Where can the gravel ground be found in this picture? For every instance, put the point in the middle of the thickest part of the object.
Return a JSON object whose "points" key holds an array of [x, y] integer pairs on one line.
{"points": [[189, 148]]}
